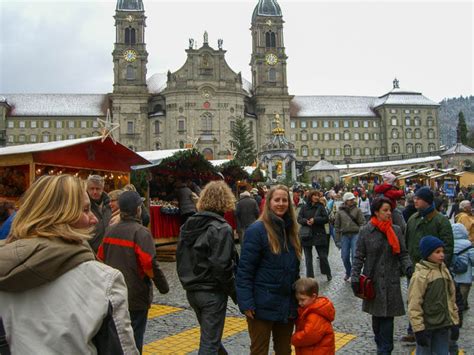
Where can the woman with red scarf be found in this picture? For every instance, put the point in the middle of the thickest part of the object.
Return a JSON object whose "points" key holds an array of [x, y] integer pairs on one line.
{"points": [[381, 255]]}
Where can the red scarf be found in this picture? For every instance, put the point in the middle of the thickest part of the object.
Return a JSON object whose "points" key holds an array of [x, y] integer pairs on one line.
{"points": [[387, 229]]}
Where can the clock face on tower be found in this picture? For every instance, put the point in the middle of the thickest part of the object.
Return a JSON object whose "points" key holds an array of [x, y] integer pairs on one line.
{"points": [[271, 59], [130, 55]]}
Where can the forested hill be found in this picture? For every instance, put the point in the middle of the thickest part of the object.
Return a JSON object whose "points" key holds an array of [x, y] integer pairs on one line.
{"points": [[448, 117]]}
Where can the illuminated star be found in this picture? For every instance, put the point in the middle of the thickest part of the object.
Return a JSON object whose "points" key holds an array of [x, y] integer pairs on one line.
{"points": [[107, 127]]}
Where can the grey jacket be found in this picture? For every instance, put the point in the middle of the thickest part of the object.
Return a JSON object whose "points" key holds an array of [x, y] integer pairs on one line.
{"points": [[344, 224], [375, 259], [246, 212]]}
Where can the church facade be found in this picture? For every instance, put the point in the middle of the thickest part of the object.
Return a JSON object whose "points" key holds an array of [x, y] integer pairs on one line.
{"points": [[198, 104]]}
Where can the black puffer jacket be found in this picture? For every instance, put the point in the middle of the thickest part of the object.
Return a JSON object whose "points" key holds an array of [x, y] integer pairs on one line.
{"points": [[206, 257], [320, 215]]}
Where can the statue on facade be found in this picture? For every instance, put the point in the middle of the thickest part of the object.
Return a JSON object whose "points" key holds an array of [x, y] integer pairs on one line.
{"points": [[396, 84], [220, 42], [191, 43], [206, 38]]}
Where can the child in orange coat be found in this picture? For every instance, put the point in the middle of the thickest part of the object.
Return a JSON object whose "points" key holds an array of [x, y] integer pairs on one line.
{"points": [[314, 334]]}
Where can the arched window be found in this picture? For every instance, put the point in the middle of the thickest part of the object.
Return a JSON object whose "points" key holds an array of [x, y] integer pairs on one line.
{"points": [[408, 133], [417, 121], [431, 133], [347, 150], [347, 135], [157, 127], [417, 133], [130, 72], [431, 147], [395, 148], [270, 39], [407, 121], [409, 148], [418, 148], [272, 75], [357, 151], [208, 153], [367, 151], [304, 151], [206, 123], [376, 151], [182, 124], [130, 36], [394, 134]]}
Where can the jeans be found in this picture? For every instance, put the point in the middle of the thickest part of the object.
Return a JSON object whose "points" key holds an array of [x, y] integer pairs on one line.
{"points": [[210, 308], [383, 334], [138, 319], [323, 251], [438, 343], [348, 247]]}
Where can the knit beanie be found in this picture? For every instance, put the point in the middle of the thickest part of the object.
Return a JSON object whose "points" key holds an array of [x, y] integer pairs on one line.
{"points": [[425, 194], [429, 244], [389, 178]]}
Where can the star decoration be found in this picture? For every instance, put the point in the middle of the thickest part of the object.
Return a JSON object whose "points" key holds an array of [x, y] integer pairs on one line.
{"points": [[107, 127]]}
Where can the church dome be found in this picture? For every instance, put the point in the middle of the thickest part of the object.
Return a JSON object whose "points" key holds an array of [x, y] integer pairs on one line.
{"points": [[266, 8], [130, 5]]}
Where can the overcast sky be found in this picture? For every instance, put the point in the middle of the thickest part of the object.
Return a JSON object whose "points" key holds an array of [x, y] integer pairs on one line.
{"points": [[334, 47]]}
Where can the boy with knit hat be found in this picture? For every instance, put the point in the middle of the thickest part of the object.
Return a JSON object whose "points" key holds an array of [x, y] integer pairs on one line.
{"points": [[432, 306]]}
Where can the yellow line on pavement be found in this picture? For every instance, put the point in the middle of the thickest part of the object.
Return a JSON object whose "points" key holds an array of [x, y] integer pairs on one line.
{"points": [[188, 341], [158, 310]]}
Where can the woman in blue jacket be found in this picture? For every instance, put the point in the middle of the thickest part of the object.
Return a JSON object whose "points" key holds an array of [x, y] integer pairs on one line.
{"points": [[268, 268]]}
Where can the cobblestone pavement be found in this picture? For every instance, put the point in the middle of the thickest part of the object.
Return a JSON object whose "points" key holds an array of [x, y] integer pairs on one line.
{"points": [[176, 331]]}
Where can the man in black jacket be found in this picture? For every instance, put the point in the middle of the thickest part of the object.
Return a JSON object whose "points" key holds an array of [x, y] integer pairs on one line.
{"points": [[100, 206], [246, 212]]}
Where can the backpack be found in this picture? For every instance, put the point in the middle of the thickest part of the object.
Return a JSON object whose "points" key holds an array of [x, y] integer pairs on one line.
{"points": [[459, 265]]}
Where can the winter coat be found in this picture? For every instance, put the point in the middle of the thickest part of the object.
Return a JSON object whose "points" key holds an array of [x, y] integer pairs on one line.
{"points": [[314, 334], [246, 212], [364, 206], [102, 211], [389, 191], [461, 242], [129, 247], [432, 224], [409, 211], [374, 258], [55, 298], [344, 224], [265, 280], [318, 232], [468, 221], [206, 257], [398, 220], [432, 297], [184, 196]]}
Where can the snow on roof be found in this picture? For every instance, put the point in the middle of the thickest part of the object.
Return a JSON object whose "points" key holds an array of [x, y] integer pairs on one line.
{"points": [[404, 97], [158, 155], [459, 148], [323, 165], [57, 104], [389, 163], [158, 82], [332, 106], [218, 162], [41, 147]]}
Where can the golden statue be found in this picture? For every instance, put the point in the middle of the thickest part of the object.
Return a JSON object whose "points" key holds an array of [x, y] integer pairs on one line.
{"points": [[279, 167], [278, 130]]}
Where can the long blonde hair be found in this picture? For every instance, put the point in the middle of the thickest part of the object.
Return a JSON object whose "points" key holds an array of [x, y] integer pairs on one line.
{"points": [[273, 240], [49, 207], [216, 197]]}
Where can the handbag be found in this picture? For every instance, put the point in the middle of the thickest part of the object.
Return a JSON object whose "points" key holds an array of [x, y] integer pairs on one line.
{"points": [[366, 288], [306, 234]]}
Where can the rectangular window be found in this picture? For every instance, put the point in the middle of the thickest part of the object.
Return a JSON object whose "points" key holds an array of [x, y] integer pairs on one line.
{"points": [[293, 137], [158, 127], [327, 152], [22, 124], [366, 136], [327, 136], [182, 125], [59, 124], [45, 138], [129, 127], [314, 124], [33, 124], [95, 124], [407, 111], [33, 138], [366, 124], [346, 124], [83, 135], [10, 124], [315, 137], [325, 124], [45, 125], [304, 136], [293, 124], [335, 124], [337, 151], [407, 121], [303, 124], [21, 138], [375, 124], [337, 136], [71, 136], [11, 139], [356, 124], [71, 124], [393, 110], [83, 124]]}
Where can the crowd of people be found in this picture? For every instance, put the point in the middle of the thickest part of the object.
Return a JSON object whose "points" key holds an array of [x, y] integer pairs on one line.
{"points": [[91, 255]]}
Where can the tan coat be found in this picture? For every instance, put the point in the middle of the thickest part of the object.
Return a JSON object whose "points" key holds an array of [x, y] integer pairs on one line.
{"points": [[468, 221]]}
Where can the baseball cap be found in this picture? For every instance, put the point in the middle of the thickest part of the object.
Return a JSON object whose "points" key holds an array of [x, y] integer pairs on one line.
{"points": [[348, 196], [129, 201]]}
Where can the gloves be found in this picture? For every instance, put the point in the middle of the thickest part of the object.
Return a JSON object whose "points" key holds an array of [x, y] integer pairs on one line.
{"points": [[454, 332], [422, 338], [409, 272], [355, 288]]}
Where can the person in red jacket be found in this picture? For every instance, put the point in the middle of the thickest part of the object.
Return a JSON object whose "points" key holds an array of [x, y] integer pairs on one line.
{"points": [[389, 189], [314, 334]]}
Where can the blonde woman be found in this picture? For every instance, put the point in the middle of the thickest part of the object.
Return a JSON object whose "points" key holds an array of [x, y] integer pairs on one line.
{"points": [[114, 206], [268, 268], [206, 260], [54, 296]]}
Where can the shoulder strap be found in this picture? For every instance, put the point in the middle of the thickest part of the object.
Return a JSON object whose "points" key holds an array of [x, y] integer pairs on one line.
{"points": [[351, 217], [463, 250]]}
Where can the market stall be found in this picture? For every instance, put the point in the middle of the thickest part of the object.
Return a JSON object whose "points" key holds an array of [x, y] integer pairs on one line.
{"points": [[20, 165]]}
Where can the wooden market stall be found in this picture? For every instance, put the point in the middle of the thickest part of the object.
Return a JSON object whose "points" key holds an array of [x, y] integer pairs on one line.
{"points": [[20, 165], [466, 178]]}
